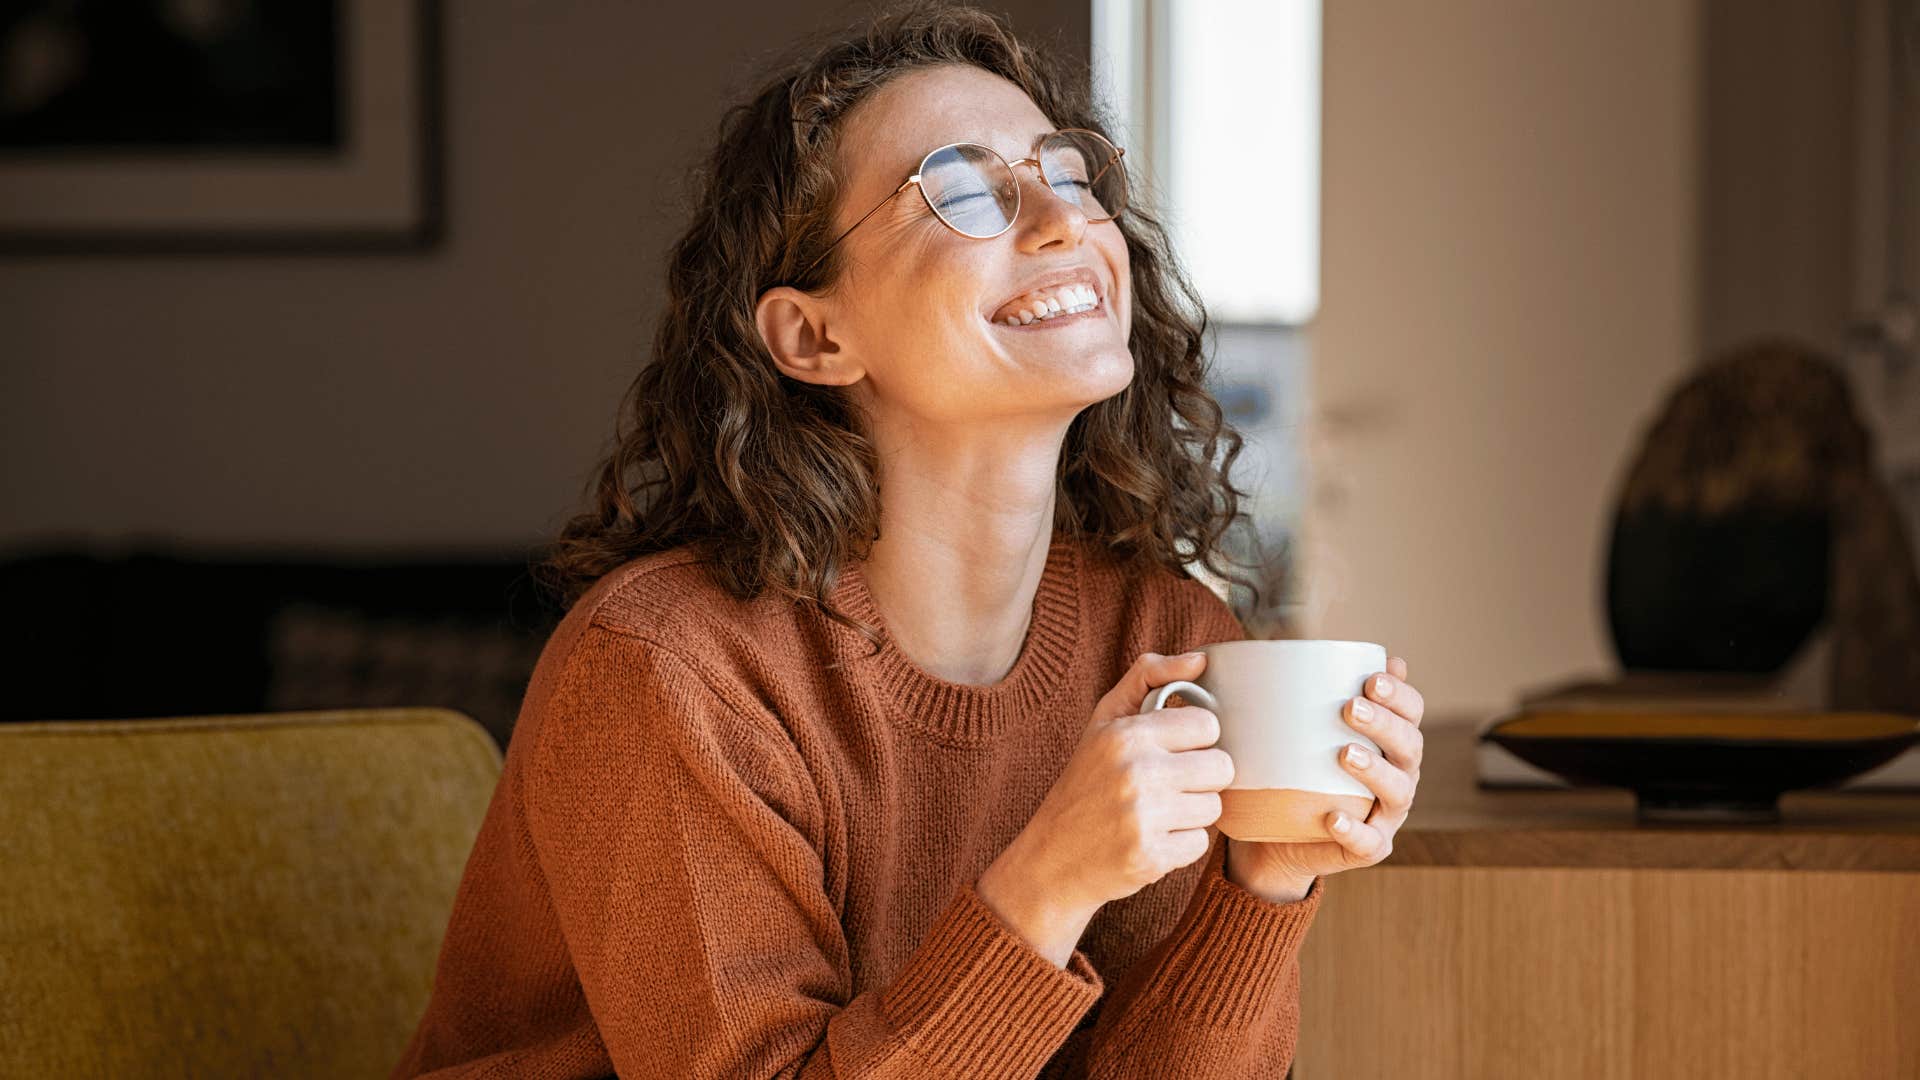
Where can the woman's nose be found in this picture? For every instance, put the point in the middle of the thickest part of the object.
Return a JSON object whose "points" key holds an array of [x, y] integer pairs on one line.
{"points": [[1054, 217]]}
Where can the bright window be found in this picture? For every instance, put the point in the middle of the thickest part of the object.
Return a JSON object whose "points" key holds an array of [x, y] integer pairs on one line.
{"points": [[1218, 102], [1222, 97]]}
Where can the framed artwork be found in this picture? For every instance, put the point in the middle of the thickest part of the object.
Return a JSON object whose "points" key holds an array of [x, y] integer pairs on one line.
{"points": [[219, 126]]}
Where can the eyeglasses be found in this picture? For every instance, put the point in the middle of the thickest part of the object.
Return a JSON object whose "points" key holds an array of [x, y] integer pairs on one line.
{"points": [[974, 192]]}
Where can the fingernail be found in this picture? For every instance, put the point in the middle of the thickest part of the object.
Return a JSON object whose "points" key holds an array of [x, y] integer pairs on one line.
{"points": [[1191, 655], [1362, 712], [1382, 687], [1358, 758], [1341, 824]]}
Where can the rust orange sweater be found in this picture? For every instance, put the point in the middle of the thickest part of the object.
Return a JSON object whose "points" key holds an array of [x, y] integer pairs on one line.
{"points": [[710, 856]]}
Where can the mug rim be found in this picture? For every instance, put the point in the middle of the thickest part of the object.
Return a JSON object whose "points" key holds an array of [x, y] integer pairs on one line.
{"points": [[1293, 641]]}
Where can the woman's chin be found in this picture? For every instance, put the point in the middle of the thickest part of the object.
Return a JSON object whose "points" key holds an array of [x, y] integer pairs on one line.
{"points": [[1096, 371], [1092, 356]]}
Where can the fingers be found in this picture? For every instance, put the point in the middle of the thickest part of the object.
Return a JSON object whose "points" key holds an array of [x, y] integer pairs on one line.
{"points": [[1362, 844], [1397, 738], [1388, 782], [1188, 727], [1149, 671], [1190, 845], [1195, 810], [1397, 694], [1203, 770]]}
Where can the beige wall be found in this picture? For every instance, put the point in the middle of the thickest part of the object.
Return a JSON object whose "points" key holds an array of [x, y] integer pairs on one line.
{"points": [[456, 398], [1508, 285], [1508, 288]]}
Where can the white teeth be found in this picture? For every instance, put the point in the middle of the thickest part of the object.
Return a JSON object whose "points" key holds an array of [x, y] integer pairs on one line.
{"points": [[1066, 300]]}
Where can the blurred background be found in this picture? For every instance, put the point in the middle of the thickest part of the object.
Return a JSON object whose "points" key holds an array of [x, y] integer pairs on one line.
{"points": [[315, 317]]}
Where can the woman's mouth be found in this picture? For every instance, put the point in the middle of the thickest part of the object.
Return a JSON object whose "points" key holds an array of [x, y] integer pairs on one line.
{"points": [[1052, 307]]}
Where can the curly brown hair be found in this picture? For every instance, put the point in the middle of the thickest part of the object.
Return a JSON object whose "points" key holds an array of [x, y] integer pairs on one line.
{"points": [[773, 477]]}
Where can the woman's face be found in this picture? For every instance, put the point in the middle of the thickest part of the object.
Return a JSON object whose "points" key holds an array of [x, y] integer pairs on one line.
{"points": [[916, 322]]}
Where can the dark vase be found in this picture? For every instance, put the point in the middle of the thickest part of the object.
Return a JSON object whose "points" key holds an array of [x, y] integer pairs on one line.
{"points": [[1739, 591]]}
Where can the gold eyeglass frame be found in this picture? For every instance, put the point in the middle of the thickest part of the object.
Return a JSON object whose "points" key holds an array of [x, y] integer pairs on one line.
{"points": [[914, 181]]}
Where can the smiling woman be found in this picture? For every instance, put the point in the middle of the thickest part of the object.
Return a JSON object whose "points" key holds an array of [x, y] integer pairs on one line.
{"points": [[720, 445], [839, 763]]}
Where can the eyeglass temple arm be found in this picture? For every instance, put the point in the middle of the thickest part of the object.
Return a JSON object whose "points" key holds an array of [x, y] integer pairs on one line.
{"points": [[904, 185]]}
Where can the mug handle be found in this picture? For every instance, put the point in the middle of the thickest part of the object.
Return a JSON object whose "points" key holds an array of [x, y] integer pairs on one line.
{"points": [[1159, 697]]}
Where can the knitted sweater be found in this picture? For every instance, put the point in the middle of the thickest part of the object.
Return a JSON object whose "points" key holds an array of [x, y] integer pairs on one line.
{"points": [[710, 855]]}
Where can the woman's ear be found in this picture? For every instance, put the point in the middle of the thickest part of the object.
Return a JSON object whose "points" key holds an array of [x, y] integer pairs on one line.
{"points": [[793, 325]]}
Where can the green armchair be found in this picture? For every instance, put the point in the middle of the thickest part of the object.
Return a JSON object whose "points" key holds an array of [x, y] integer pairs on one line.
{"points": [[257, 895]]}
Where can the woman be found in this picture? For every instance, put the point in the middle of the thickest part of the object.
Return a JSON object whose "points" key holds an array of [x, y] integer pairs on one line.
{"points": [[835, 766]]}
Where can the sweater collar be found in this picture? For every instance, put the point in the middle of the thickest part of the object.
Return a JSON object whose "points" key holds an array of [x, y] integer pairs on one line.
{"points": [[959, 712]]}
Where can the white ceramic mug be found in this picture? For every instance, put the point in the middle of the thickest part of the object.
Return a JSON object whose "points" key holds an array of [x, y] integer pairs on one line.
{"points": [[1280, 705]]}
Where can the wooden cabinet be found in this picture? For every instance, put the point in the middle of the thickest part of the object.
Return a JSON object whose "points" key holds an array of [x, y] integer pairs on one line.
{"points": [[1544, 934]]}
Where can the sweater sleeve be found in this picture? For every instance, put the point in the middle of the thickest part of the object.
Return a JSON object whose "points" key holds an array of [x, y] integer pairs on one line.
{"points": [[678, 830], [1219, 996]]}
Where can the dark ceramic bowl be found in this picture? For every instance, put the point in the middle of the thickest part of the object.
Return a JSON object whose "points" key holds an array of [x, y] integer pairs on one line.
{"points": [[1706, 766]]}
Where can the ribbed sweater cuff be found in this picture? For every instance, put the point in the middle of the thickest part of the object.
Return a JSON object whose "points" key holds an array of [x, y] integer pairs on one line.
{"points": [[1228, 954], [980, 1001]]}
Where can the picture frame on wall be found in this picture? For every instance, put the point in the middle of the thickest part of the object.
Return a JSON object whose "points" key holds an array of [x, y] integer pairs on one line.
{"points": [[241, 125]]}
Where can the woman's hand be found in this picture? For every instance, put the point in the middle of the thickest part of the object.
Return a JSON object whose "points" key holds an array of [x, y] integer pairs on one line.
{"points": [[1133, 804], [1389, 714]]}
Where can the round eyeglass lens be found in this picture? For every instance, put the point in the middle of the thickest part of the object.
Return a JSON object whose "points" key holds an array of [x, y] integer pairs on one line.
{"points": [[971, 188], [1085, 170]]}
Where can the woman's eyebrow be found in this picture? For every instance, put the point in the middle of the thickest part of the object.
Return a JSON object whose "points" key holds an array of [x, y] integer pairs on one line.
{"points": [[1030, 146]]}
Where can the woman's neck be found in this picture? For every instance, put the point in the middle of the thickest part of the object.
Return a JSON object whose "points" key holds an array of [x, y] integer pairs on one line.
{"points": [[956, 586]]}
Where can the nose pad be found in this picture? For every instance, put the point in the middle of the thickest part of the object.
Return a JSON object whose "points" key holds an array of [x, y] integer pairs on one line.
{"points": [[1048, 203]]}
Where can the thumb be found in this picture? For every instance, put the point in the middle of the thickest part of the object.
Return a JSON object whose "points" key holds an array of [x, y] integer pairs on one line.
{"points": [[1150, 671]]}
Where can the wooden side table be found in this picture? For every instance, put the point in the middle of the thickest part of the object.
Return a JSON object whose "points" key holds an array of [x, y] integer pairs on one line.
{"points": [[1544, 934]]}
